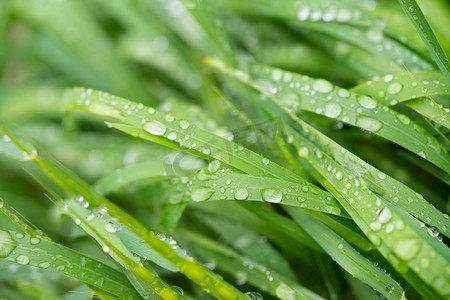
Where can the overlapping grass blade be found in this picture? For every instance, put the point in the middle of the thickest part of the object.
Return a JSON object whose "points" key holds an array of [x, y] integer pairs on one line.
{"points": [[162, 128], [347, 257], [401, 242], [163, 251], [412, 9], [392, 89], [245, 268], [294, 92], [221, 187], [350, 22], [44, 254]]}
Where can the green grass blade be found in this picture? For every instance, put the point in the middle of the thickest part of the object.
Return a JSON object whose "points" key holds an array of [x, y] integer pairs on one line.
{"points": [[158, 127], [392, 89], [347, 257], [401, 244], [209, 281], [34, 251], [321, 97], [412, 9], [122, 177], [219, 187], [246, 268]]}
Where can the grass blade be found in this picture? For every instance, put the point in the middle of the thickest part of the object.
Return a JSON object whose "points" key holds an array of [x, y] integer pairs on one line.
{"points": [[414, 13]]}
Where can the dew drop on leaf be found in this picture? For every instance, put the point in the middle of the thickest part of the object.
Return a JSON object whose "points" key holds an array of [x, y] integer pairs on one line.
{"points": [[154, 127], [322, 86], [241, 194], [366, 102], [23, 259], [272, 195], [407, 248], [394, 88], [7, 244], [333, 110], [201, 194], [385, 215], [369, 124]]}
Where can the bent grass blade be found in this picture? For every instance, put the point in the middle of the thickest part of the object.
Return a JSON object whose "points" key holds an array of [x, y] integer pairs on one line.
{"points": [[294, 91], [44, 254]]}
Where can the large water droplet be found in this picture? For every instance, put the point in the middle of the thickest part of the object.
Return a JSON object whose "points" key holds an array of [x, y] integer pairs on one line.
{"points": [[322, 86], [44, 265], [407, 248], [201, 194], [303, 13], [404, 119], [385, 215], [333, 110], [7, 244], [213, 166], [110, 228], [394, 88], [241, 194], [272, 195], [155, 127], [367, 102], [184, 124], [23, 259], [369, 124]]}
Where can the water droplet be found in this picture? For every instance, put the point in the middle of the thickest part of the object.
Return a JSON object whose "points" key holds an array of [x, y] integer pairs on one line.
{"points": [[201, 194], [155, 127], [366, 102], [303, 13], [19, 235], [385, 215], [322, 86], [369, 124], [110, 228], [44, 265], [184, 124], [375, 35], [333, 110], [404, 119], [381, 175], [105, 248], [374, 238], [272, 195], [277, 74], [303, 152], [213, 166], [388, 78], [241, 194], [151, 110], [338, 175], [376, 226], [23, 259], [340, 246], [7, 244], [34, 241], [394, 88], [265, 161], [169, 118], [1, 203], [407, 248], [172, 136], [343, 93]]}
